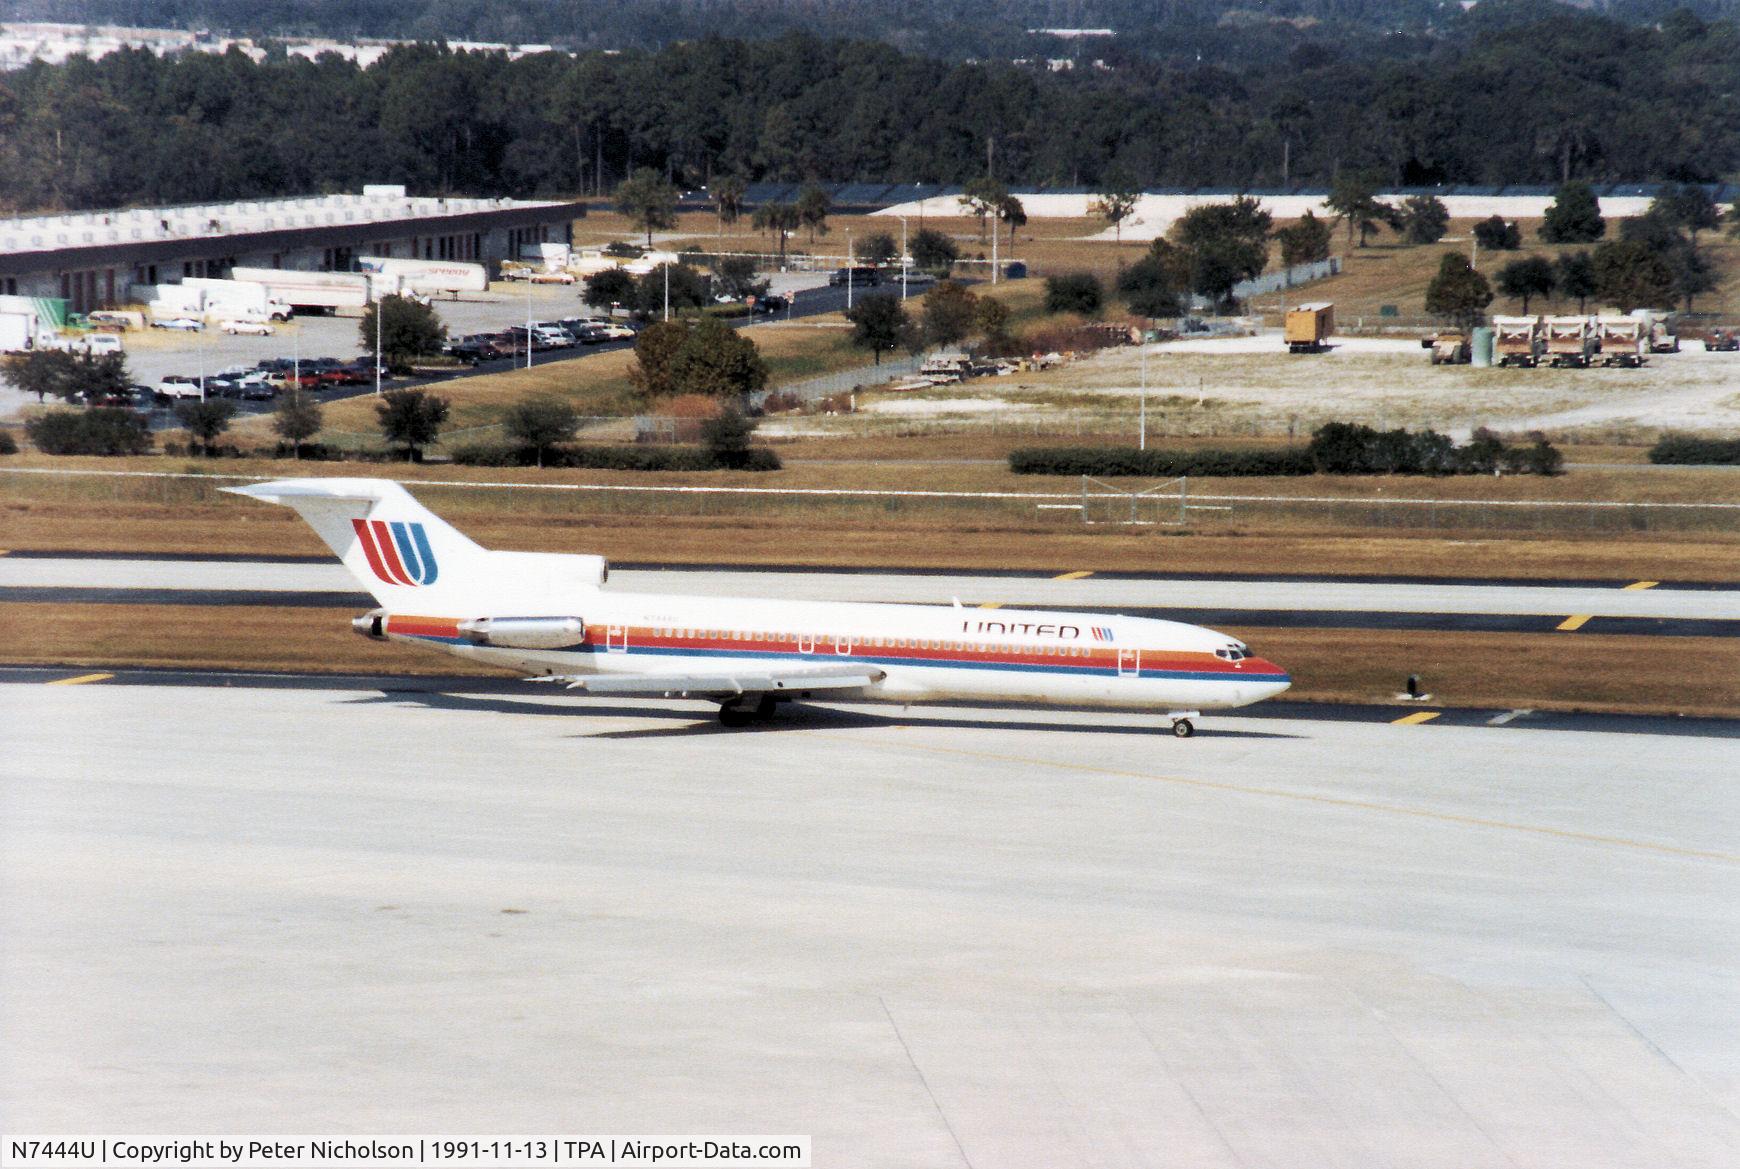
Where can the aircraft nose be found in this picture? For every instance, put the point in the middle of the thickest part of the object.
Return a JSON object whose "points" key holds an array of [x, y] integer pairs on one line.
{"points": [[1267, 674]]}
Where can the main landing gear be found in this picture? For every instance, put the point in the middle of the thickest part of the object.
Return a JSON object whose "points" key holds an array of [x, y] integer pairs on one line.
{"points": [[1182, 727], [740, 712]]}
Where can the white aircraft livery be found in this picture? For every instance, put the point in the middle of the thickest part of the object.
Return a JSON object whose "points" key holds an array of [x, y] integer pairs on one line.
{"points": [[551, 616]]}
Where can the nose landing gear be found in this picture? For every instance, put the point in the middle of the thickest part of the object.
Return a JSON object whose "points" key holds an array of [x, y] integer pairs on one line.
{"points": [[1182, 727]]}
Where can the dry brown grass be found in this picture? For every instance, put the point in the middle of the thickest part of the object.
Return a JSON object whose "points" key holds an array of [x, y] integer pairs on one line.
{"points": [[1546, 671]]}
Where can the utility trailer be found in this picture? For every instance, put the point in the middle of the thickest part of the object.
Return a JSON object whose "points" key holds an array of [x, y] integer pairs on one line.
{"points": [[1309, 326], [1518, 341], [1570, 342], [1621, 341]]}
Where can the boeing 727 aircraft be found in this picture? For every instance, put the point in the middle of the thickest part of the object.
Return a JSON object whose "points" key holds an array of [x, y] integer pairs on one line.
{"points": [[551, 616]]}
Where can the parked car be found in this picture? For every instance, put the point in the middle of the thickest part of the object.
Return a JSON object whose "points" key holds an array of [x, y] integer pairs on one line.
{"points": [[552, 277], [768, 305], [252, 328], [613, 332], [179, 387], [859, 277], [186, 324]]}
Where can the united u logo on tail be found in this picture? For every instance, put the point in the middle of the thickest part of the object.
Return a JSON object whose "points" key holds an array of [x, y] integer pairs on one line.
{"points": [[398, 553]]}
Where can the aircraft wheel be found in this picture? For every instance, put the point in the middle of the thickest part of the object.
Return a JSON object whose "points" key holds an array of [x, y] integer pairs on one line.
{"points": [[735, 716], [1183, 728]]}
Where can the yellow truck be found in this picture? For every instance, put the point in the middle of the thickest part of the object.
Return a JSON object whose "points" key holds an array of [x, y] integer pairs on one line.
{"points": [[1518, 341], [1309, 326]]}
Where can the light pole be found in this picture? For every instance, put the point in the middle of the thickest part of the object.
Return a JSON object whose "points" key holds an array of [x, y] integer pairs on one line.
{"points": [[903, 258], [849, 272], [667, 268], [528, 324], [1142, 416], [380, 311]]}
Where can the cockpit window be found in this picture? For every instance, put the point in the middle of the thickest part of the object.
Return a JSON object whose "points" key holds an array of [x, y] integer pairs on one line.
{"points": [[1233, 654]]}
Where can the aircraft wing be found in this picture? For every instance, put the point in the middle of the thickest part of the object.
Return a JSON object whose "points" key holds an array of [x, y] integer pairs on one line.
{"points": [[751, 680]]}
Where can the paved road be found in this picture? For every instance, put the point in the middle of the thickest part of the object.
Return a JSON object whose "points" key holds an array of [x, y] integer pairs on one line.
{"points": [[930, 938], [1122, 593]]}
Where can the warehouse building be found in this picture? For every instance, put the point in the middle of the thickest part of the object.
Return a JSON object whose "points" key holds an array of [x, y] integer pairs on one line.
{"points": [[91, 258]]}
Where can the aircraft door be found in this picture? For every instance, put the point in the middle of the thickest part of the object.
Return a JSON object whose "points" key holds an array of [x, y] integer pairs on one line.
{"points": [[616, 639], [1129, 663], [807, 643], [842, 645]]}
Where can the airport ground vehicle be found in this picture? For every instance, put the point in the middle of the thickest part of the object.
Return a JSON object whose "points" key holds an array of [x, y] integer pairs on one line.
{"points": [[1449, 349], [1722, 341], [550, 616]]}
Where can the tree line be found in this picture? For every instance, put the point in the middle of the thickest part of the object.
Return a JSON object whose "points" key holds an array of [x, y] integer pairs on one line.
{"points": [[1551, 96]]}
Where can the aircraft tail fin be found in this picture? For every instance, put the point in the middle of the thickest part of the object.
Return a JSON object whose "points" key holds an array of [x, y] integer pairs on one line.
{"points": [[405, 555]]}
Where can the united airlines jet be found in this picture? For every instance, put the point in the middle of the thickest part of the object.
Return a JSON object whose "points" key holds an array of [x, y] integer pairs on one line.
{"points": [[552, 616]]}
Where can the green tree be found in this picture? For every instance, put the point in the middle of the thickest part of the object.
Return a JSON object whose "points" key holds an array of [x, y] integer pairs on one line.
{"points": [[726, 437], [204, 421], [1013, 212], [1114, 203], [655, 350], [1158, 284], [1495, 235], [411, 419], [1425, 219], [980, 198], [1458, 293], [932, 251], [409, 330], [718, 361], [1689, 207], [1078, 292], [100, 431], [1574, 216], [812, 208], [1629, 274], [878, 248], [737, 277], [649, 202], [728, 192], [608, 288], [949, 313], [1575, 275], [296, 418], [1353, 198], [1304, 241], [67, 376], [684, 287], [879, 324], [540, 423], [42, 372], [1225, 243], [778, 219], [991, 319], [1527, 278]]}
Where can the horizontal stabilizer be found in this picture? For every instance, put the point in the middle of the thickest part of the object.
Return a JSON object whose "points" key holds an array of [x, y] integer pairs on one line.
{"points": [[750, 681]]}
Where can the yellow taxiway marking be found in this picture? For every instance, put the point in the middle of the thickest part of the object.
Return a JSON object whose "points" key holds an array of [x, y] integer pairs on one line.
{"points": [[1573, 623], [1642, 584], [992, 605], [80, 680], [1073, 576], [1728, 858], [1415, 719]]}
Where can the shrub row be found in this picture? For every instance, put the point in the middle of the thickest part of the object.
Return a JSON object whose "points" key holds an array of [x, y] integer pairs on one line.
{"points": [[1338, 448], [1684, 448], [1348, 448], [99, 431], [617, 458], [1130, 461]]}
